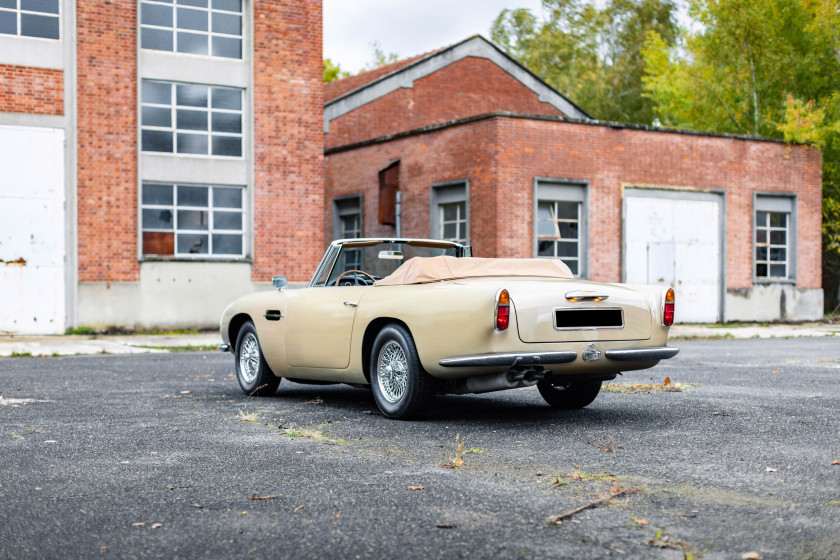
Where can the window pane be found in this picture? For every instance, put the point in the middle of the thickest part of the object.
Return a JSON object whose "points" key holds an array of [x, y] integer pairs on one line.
{"points": [[156, 116], [545, 249], [227, 47], [761, 219], [8, 23], [157, 218], [450, 212], [761, 270], [778, 255], [761, 236], [227, 220], [227, 23], [450, 231], [227, 146], [191, 43], [157, 15], [567, 210], [546, 229], [158, 243], [157, 92], [568, 230], [157, 194], [761, 253], [778, 219], [192, 196], [227, 244], [566, 249], [778, 237], [11, 4], [191, 96], [157, 141], [227, 197], [192, 143], [192, 19], [196, 3], [43, 6], [229, 5], [156, 39], [227, 98], [573, 266], [544, 211], [227, 122], [193, 243], [778, 271], [192, 219], [39, 26], [192, 120]]}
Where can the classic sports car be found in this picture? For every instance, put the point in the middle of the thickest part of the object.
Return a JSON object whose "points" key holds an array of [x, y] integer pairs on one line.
{"points": [[416, 317]]}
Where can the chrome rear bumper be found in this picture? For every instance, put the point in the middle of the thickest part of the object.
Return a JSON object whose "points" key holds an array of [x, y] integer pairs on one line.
{"points": [[562, 357], [640, 354]]}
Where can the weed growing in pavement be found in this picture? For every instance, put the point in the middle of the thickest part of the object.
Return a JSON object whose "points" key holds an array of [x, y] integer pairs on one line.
{"points": [[21, 355], [457, 460], [253, 416]]}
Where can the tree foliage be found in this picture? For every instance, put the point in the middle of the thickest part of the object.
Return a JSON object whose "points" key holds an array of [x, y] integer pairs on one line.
{"points": [[592, 55], [333, 72]]}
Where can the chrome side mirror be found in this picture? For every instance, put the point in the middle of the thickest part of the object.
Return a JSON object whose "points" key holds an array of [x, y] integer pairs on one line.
{"points": [[279, 282]]}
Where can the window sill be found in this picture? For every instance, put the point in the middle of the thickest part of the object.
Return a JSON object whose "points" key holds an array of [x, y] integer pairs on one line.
{"points": [[761, 281], [240, 260]]}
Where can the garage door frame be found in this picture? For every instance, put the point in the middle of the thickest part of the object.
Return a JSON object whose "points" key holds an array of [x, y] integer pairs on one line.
{"points": [[678, 193]]}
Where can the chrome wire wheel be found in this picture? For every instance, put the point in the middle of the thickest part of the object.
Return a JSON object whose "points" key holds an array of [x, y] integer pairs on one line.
{"points": [[392, 372], [249, 358]]}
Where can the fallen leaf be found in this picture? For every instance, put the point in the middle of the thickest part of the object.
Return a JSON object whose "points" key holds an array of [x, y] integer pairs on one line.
{"points": [[771, 469], [138, 524], [418, 487], [642, 521], [835, 462], [751, 556], [244, 513], [337, 517], [446, 526], [667, 381], [297, 509], [186, 392], [157, 525], [266, 497], [614, 488], [199, 506], [50, 441]]}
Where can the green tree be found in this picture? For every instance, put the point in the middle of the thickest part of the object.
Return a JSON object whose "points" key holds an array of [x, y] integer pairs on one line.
{"points": [[592, 55], [333, 71]]}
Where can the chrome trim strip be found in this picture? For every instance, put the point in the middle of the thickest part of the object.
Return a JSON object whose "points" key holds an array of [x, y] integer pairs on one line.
{"points": [[511, 359], [634, 354], [590, 295], [556, 309], [224, 347]]}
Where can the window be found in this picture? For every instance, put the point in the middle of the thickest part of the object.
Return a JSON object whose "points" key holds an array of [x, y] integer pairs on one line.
{"points": [[191, 119], [347, 224], [30, 18], [774, 231], [449, 216], [560, 224], [208, 27], [192, 220]]}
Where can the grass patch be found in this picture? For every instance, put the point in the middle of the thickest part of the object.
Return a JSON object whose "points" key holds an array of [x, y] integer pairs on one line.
{"points": [[833, 503], [81, 330], [20, 355]]}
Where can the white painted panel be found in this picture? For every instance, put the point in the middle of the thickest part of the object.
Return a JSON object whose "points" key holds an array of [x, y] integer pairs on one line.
{"points": [[676, 242], [32, 234]]}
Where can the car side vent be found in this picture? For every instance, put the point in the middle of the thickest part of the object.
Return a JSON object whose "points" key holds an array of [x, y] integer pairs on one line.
{"points": [[600, 318]]}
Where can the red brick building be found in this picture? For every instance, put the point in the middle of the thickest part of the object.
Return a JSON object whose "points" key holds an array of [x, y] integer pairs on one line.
{"points": [[482, 151], [159, 157]]}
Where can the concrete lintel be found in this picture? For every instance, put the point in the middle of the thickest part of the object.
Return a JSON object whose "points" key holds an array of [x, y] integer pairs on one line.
{"points": [[174, 169], [156, 65], [32, 119], [477, 47], [32, 52]]}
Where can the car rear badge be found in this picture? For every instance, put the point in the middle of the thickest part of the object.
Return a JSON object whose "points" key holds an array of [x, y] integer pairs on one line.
{"points": [[591, 354]]}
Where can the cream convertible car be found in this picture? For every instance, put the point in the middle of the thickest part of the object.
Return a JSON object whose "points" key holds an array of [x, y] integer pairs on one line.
{"points": [[414, 318]]}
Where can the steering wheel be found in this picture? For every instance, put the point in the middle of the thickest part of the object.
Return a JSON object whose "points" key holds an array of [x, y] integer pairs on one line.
{"points": [[355, 278]]}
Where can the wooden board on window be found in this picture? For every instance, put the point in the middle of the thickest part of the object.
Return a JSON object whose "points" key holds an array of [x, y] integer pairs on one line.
{"points": [[389, 183]]}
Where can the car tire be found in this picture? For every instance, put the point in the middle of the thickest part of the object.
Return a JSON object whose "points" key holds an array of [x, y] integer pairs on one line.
{"points": [[252, 371], [401, 387], [568, 394]]}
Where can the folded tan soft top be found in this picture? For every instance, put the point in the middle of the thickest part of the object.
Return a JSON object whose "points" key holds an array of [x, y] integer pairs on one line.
{"points": [[421, 270]]}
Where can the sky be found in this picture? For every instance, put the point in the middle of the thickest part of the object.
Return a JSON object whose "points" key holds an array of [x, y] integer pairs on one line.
{"points": [[405, 27]]}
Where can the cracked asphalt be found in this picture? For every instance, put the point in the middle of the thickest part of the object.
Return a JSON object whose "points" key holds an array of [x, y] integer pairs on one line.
{"points": [[146, 456]]}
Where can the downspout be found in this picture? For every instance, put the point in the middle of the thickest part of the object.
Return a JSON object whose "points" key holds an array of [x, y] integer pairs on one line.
{"points": [[398, 214]]}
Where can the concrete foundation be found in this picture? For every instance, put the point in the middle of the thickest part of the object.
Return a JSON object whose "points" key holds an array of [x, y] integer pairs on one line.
{"points": [[773, 302]]}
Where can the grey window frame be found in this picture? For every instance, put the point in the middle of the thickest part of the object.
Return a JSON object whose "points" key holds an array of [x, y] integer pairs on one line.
{"points": [[347, 206], [209, 34], [784, 202], [449, 192], [548, 189], [174, 130], [210, 231], [19, 13]]}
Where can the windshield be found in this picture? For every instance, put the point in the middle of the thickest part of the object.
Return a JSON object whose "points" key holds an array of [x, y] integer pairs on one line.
{"points": [[374, 260]]}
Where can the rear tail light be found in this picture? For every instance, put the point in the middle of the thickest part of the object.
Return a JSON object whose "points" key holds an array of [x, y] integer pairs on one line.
{"points": [[668, 308], [502, 320]]}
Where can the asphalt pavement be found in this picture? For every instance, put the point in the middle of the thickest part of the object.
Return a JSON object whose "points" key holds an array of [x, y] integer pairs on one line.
{"points": [[153, 455]]}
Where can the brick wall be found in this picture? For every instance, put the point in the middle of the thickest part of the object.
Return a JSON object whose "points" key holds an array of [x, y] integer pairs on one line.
{"points": [[288, 138], [501, 156], [31, 90], [470, 86], [107, 140]]}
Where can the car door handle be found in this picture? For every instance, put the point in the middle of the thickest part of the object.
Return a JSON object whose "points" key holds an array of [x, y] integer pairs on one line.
{"points": [[351, 304], [273, 315]]}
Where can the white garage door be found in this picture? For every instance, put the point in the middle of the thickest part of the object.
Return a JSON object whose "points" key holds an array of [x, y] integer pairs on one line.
{"points": [[32, 230], [673, 239]]}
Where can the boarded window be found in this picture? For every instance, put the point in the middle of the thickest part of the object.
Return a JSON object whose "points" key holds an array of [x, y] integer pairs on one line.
{"points": [[389, 183]]}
